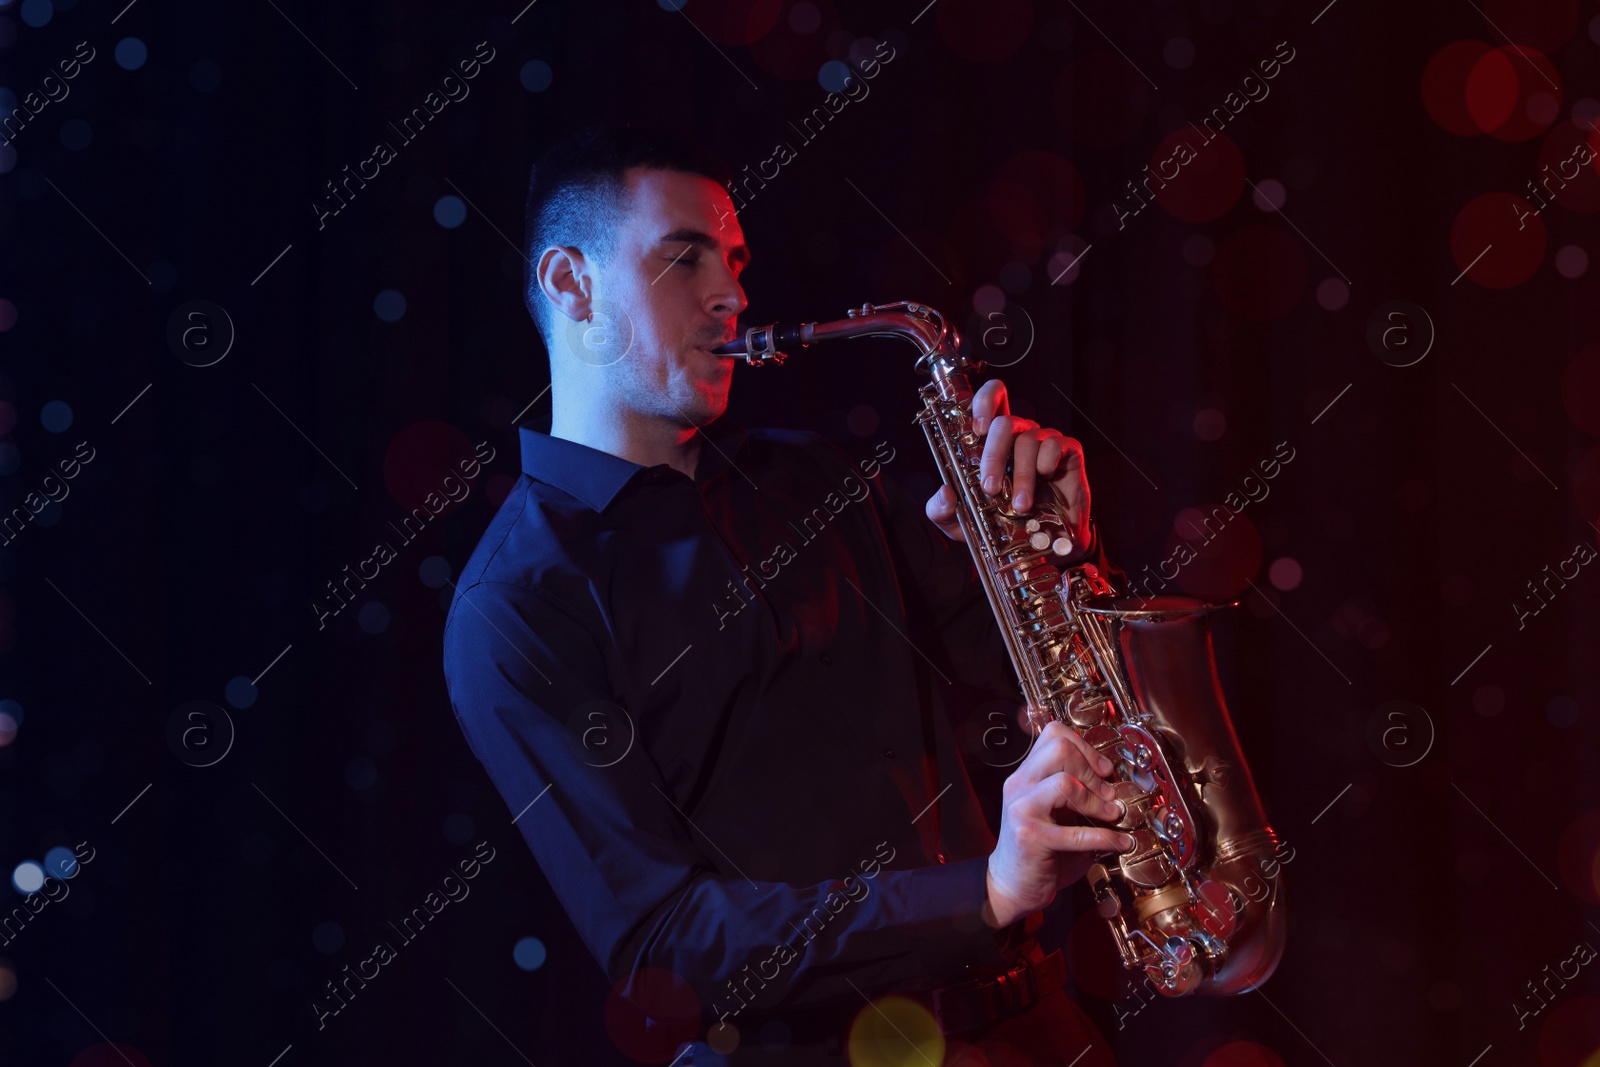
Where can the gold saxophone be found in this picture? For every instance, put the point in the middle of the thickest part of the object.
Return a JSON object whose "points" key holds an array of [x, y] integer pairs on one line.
{"points": [[1136, 678]]}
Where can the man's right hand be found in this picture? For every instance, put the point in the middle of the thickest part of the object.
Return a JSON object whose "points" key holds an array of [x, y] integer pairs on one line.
{"points": [[1036, 855]]}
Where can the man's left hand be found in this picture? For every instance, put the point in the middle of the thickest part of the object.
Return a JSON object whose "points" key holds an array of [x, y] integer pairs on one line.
{"points": [[1037, 455]]}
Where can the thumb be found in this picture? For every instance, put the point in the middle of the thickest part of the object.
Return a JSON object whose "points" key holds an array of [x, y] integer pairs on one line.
{"points": [[941, 510]]}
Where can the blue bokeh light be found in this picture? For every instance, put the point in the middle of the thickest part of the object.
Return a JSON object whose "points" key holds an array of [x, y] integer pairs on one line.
{"points": [[389, 305], [131, 53], [529, 953], [56, 416]]}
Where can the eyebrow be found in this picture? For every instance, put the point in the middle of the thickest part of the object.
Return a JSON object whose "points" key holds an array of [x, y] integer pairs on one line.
{"points": [[739, 253]]}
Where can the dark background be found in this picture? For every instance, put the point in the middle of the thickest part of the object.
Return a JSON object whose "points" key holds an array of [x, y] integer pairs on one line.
{"points": [[190, 548]]}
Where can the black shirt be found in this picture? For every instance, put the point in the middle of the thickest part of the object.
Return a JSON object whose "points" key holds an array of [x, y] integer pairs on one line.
{"points": [[718, 710]]}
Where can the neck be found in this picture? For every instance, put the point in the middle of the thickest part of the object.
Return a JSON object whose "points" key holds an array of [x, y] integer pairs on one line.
{"points": [[635, 436]]}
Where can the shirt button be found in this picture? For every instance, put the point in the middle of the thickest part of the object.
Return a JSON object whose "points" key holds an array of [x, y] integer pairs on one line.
{"points": [[889, 752], [827, 660]]}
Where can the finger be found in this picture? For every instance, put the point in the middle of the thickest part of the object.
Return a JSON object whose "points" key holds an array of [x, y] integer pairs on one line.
{"points": [[1057, 749], [997, 449], [941, 509], [1084, 839], [1069, 792], [1070, 480], [1026, 465], [990, 400]]}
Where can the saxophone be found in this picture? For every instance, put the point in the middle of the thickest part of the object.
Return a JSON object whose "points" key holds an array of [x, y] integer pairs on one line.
{"points": [[1136, 678]]}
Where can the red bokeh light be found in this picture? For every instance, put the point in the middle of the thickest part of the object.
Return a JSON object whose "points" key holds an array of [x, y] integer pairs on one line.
{"points": [[1578, 857], [1562, 174], [1227, 552], [1036, 198], [735, 23], [1513, 93], [1207, 185], [791, 55], [1243, 1054], [1580, 389], [1545, 25], [110, 1054], [1507, 226], [1259, 272], [1444, 85], [1570, 1034], [419, 459], [985, 31], [659, 1013]]}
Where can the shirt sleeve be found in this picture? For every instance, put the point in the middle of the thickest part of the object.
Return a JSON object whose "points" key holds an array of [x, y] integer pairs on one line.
{"points": [[527, 679]]}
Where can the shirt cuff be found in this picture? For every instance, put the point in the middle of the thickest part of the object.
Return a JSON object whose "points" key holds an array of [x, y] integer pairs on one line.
{"points": [[955, 893]]}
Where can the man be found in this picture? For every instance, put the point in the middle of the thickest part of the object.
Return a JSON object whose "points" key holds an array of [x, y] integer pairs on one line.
{"points": [[707, 670]]}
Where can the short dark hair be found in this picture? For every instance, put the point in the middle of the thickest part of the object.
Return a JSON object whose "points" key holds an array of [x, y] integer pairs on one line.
{"points": [[575, 194]]}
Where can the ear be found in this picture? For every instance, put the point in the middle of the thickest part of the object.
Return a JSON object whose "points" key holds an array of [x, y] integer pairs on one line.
{"points": [[564, 278]]}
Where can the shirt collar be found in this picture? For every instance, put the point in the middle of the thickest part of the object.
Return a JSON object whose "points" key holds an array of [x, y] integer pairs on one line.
{"points": [[595, 477]]}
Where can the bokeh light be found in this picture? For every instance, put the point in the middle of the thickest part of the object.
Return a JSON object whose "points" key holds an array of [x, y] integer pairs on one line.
{"points": [[60, 862], [1569, 1035], [1285, 574], [1227, 551], [1508, 228], [1269, 195], [1332, 294], [1580, 389], [374, 617], [361, 773], [131, 53], [1578, 857], [529, 953], [56, 416], [1243, 1054], [536, 76], [389, 305], [1205, 187], [27, 877], [419, 460], [649, 1016], [434, 572], [240, 692], [883, 1030], [984, 31], [1545, 25], [1513, 93], [1444, 86], [1571, 261], [328, 937], [449, 211]]}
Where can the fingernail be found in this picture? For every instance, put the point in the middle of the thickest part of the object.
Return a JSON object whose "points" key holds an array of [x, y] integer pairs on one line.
{"points": [[1020, 501], [991, 484], [1127, 843], [1120, 808], [1105, 765]]}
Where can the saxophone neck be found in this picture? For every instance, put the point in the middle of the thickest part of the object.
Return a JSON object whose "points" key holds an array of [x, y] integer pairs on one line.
{"points": [[938, 344]]}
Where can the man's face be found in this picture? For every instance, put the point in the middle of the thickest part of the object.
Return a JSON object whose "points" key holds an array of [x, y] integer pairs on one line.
{"points": [[675, 275]]}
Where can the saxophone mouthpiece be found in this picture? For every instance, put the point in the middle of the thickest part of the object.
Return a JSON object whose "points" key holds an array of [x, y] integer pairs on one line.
{"points": [[760, 343]]}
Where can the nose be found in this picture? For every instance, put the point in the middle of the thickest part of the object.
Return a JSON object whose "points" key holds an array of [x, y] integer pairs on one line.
{"points": [[726, 300]]}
